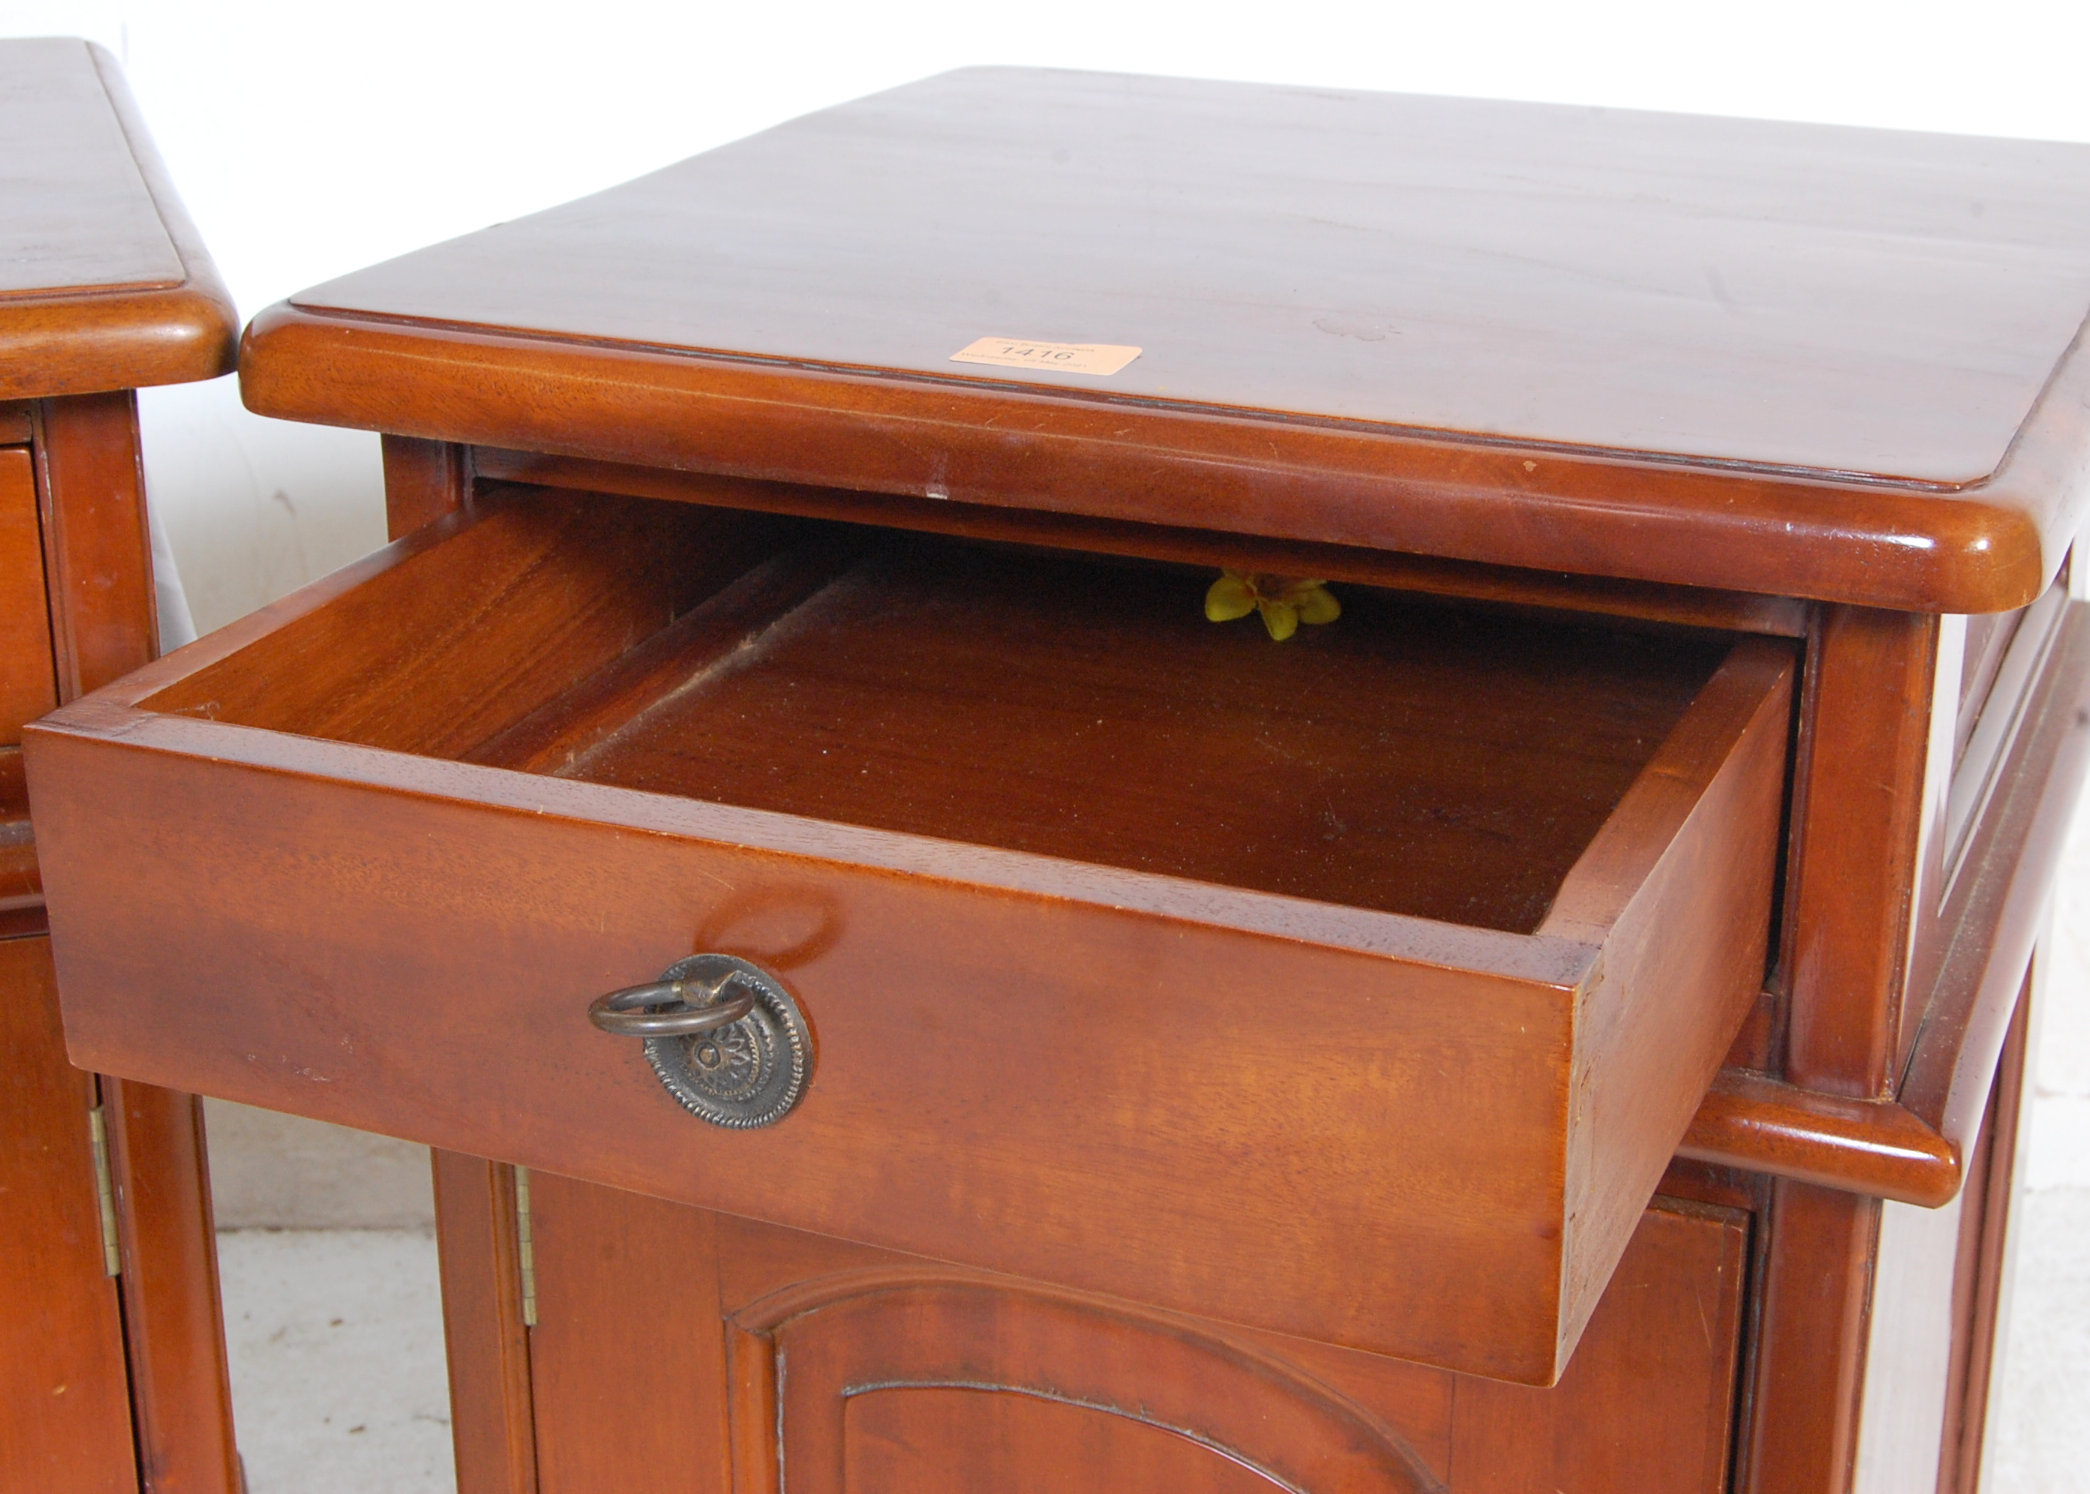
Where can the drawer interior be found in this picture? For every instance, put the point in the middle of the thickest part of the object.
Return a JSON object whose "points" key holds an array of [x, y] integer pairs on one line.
{"points": [[1414, 757]]}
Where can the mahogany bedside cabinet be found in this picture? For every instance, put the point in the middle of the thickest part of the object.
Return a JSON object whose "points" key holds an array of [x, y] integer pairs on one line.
{"points": [[112, 1360], [944, 1012]]}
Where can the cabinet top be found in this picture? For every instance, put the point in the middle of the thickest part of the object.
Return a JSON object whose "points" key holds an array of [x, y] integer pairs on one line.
{"points": [[1787, 358], [103, 282]]}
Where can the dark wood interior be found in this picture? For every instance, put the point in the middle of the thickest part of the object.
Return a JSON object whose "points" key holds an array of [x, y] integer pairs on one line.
{"points": [[1441, 761]]}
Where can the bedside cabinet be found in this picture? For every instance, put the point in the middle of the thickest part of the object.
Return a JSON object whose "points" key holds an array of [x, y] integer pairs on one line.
{"points": [[905, 1001], [112, 1361]]}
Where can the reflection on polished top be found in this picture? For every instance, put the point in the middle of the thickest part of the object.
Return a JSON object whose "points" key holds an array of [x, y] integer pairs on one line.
{"points": [[103, 283], [75, 213], [1812, 333]]}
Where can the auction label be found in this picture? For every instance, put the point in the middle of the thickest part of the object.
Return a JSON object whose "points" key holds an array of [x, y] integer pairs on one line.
{"points": [[1100, 358]]}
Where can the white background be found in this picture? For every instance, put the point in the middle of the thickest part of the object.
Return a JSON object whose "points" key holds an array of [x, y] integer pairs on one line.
{"points": [[309, 139]]}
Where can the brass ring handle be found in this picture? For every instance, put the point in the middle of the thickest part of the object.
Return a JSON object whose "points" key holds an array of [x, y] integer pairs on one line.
{"points": [[722, 1035], [636, 1011]]}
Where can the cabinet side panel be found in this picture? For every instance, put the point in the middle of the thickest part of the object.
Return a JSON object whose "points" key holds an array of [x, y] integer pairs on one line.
{"points": [[1978, 1291]]}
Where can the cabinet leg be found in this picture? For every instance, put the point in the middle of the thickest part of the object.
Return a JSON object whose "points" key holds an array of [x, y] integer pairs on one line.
{"points": [[486, 1341]]}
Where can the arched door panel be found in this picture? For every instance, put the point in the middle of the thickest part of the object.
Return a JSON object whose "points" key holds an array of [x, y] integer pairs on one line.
{"points": [[911, 1379]]}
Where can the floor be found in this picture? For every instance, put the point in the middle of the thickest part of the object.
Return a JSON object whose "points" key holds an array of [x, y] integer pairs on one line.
{"points": [[336, 1340], [2042, 1430]]}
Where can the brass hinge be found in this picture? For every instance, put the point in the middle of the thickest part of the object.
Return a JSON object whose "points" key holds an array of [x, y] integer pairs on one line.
{"points": [[105, 1189], [525, 1252]]}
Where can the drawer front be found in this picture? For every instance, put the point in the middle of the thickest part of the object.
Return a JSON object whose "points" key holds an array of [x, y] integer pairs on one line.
{"points": [[1168, 1091]]}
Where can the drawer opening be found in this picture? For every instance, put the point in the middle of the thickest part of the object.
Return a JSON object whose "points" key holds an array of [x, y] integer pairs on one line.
{"points": [[1155, 958], [1415, 757]]}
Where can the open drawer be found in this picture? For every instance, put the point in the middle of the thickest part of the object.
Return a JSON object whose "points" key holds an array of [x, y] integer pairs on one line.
{"points": [[1358, 987]]}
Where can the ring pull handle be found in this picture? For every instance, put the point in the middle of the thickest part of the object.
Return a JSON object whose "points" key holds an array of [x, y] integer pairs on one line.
{"points": [[672, 1008], [722, 1034]]}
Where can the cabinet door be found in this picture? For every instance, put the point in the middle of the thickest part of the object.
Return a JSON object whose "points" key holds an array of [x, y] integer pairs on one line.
{"points": [[894, 1379], [65, 1415], [685, 1351]]}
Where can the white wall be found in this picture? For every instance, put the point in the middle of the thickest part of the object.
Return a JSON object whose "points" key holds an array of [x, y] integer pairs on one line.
{"points": [[309, 139]]}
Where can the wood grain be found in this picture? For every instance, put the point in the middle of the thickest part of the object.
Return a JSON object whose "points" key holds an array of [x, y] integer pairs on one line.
{"points": [[1917, 1146], [1857, 804], [1602, 596], [1626, 345], [65, 1419], [104, 284], [901, 1369], [172, 1313], [1895, 309], [756, 1261], [898, 1328], [27, 687], [423, 481], [1550, 1080], [487, 1346], [1065, 709], [629, 1335], [1978, 1284], [1648, 1402], [1807, 1367], [97, 551]]}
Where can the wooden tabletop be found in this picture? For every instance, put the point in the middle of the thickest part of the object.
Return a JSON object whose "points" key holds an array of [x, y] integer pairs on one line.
{"points": [[103, 283], [1788, 358]]}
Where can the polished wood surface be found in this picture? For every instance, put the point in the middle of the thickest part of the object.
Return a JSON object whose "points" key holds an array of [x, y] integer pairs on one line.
{"points": [[79, 215], [424, 495], [103, 282], [1813, 1280], [1917, 1146], [97, 552], [97, 561], [915, 1375], [104, 287], [423, 481], [1769, 357], [1857, 807], [1259, 1015], [1544, 1077], [27, 687], [65, 1416], [1977, 1295], [628, 1315], [484, 1336], [167, 1342], [1554, 275], [172, 1314], [956, 692]]}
